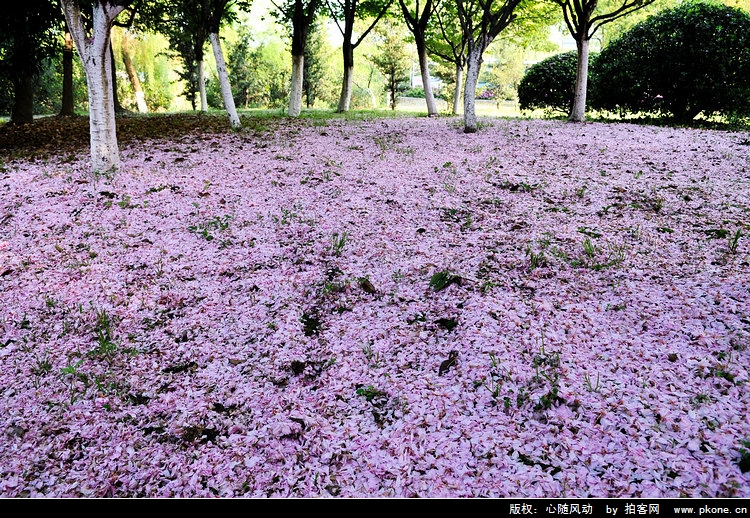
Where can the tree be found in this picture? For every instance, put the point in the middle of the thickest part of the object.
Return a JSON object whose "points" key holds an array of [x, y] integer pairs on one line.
{"points": [[28, 33], [68, 103], [583, 18], [393, 60], [348, 11], [218, 13], [481, 22], [316, 83], [301, 15], [417, 21], [683, 61], [260, 75], [445, 39], [93, 49]]}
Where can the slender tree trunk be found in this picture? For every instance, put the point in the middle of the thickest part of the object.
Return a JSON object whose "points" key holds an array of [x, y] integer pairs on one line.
{"points": [[424, 68], [348, 79], [295, 96], [105, 155], [302, 17], [67, 91], [113, 74], [23, 100], [140, 98], [578, 112], [457, 93], [473, 64], [202, 86], [226, 89], [23, 76]]}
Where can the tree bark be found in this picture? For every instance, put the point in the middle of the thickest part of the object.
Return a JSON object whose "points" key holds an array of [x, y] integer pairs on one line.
{"points": [[348, 80], [473, 64], [578, 112], [140, 97], [202, 86], [426, 80], [295, 96], [301, 17], [68, 105], [22, 74], [23, 101], [105, 155], [113, 74], [226, 89], [459, 88]]}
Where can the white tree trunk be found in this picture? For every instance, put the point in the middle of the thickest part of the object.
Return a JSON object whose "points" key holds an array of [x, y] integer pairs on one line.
{"points": [[295, 96], [94, 52], [427, 84], [226, 89], [202, 86], [346, 89], [373, 99], [140, 99], [473, 64], [578, 113], [457, 93]]}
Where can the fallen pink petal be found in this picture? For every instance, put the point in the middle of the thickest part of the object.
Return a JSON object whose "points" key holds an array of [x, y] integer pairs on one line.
{"points": [[380, 308]]}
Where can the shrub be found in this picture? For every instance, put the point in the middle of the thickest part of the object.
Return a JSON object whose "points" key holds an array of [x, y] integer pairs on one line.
{"points": [[417, 92], [683, 61], [549, 84]]}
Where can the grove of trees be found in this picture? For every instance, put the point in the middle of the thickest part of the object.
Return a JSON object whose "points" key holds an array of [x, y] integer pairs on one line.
{"points": [[684, 61], [148, 55]]}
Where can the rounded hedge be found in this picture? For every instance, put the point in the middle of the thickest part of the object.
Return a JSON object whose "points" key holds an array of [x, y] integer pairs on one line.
{"points": [[680, 62], [550, 84]]}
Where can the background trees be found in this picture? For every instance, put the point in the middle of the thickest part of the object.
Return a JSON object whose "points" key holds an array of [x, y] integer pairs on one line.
{"points": [[583, 18], [683, 61], [263, 78], [29, 32], [345, 13], [392, 59]]}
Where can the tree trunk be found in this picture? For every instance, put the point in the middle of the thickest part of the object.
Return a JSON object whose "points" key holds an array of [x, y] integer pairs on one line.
{"points": [[22, 74], [348, 80], [473, 64], [67, 91], [457, 93], [226, 89], [140, 98], [23, 100], [578, 112], [113, 74], [295, 96], [202, 86], [426, 81], [105, 156]]}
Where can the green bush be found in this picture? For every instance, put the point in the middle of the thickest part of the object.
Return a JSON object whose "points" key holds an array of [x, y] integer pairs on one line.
{"points": [[417, 92], [683, 61], [549, 84]]}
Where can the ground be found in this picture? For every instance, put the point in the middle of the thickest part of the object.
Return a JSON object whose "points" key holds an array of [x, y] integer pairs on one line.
{"points": [[376, 308]]}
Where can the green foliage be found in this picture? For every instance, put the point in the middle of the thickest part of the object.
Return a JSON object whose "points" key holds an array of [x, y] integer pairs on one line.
{"points": [[392, 58], [684, 61], [259, 73], [28, 35], [318, 82], [550, 84]]}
